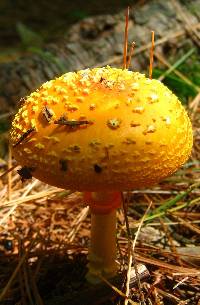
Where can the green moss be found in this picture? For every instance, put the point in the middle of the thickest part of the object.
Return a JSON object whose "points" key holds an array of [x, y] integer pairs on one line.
{"points": [[190, 69]]}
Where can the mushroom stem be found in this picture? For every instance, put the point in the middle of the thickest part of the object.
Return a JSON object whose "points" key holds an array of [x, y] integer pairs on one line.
{"points": [[102, 253], [103, 247]]}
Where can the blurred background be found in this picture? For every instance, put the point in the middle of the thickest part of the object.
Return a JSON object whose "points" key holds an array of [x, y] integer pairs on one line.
{"points": [[48, 20]]}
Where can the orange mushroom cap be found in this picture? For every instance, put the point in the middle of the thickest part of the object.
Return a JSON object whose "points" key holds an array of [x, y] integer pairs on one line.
{"points": [[102, 129]]}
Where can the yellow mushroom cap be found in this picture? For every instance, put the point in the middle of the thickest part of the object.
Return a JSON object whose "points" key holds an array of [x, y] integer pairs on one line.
{"points": [[102, 129]]}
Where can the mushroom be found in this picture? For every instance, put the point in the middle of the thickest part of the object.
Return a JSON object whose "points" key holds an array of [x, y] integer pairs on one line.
{"points": [[102, 131]]}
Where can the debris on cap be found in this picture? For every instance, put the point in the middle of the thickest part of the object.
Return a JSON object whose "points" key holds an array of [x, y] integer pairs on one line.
{"points": [[102, 128]]}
